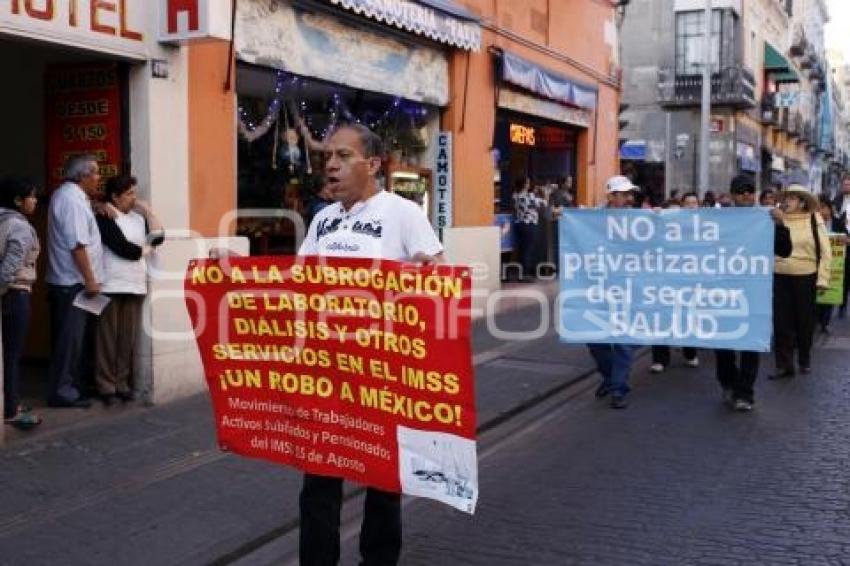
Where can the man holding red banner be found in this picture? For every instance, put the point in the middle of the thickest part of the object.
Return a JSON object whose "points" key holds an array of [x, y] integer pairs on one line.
{"points": [[364, 222]]}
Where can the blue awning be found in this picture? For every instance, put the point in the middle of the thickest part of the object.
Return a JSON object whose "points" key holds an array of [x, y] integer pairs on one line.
{"points": [[633, 150], [543, 82], [439, 20]]}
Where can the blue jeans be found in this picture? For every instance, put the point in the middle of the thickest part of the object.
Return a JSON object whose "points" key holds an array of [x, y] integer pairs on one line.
{"points": [[614, 362], [16, 323]]}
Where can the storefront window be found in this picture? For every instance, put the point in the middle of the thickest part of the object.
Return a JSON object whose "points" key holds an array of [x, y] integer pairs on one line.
{"points": [[283, 118]]}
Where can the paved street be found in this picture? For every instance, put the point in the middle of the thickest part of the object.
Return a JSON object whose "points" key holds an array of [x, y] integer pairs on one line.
{"points": [[675, 479]]}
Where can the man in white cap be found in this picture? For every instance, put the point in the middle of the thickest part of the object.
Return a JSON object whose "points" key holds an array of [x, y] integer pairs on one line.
{"points": [[614, 361]]}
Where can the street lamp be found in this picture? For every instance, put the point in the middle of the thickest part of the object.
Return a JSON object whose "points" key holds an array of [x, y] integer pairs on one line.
{"points": [[705, 122]]}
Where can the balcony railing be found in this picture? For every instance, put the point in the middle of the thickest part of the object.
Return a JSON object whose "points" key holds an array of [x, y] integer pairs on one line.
{"points": [[734, 86]]}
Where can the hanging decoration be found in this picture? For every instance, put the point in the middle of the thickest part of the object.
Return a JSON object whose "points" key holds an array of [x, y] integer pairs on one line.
{"points": [[386, 123], [251, 131]]}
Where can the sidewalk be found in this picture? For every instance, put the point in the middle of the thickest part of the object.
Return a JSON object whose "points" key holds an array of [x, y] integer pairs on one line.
{"points": [[130, 485], [514, 296]]}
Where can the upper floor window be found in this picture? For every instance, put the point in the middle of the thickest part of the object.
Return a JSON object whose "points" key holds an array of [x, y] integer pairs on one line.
{"points": [[689, 42]]}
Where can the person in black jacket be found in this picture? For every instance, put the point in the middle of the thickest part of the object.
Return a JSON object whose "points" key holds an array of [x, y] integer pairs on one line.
{"points": [[129, 230], [738, 380]]}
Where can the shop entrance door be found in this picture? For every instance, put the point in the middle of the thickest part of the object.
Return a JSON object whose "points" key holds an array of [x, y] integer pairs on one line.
{"points": [[40, 135]]}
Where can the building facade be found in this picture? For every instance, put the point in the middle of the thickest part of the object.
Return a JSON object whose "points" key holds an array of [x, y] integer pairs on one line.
{"points": [[203, 101], [771, 105]]}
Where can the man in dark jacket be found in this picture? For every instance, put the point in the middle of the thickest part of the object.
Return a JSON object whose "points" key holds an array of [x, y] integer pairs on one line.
{"points": [[737, 380]]}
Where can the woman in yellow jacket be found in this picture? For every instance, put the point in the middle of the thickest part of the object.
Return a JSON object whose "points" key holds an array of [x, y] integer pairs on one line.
{"points": [[796, 280]]}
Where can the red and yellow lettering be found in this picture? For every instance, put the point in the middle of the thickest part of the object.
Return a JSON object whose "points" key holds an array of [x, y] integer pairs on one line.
{"points": [[126, 32], [96, 7], [45, 13]]}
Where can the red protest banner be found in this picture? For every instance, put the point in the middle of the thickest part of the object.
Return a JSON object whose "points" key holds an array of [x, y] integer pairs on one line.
{"points": [[353, 368]]}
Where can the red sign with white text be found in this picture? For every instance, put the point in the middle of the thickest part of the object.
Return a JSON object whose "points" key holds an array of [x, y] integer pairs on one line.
{"points": [[353, 368], [83, 115]]}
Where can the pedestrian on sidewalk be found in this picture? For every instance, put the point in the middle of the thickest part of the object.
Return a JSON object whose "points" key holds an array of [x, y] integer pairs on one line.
{"points": [[129, 230], [827, 212], [527, 206], [353, 156], [661, 354], [19, 248], [796, 281], [614, 361], [74, 266], [842, 226], [738, 379]]}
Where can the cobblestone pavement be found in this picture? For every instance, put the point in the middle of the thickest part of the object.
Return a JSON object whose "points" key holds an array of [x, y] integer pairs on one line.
{"points": [[674, 479]]}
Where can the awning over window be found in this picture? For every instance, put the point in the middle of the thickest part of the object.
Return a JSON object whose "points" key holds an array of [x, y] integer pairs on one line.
{"points": [[781, 71], [440, 20], [634, 150], [543, 82]]}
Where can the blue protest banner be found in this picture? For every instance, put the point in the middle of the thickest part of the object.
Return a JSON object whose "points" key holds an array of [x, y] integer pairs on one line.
{"points": [[676, 277]]}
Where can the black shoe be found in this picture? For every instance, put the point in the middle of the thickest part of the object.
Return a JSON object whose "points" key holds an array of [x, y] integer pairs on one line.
{"points": [[107, 400], [805, 370], [126, 396], [59, 403], [601, 392], [781, 375], [619, 402]]}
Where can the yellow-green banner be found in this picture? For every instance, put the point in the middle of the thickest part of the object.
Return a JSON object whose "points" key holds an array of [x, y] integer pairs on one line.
{"points": [[835, 292]]}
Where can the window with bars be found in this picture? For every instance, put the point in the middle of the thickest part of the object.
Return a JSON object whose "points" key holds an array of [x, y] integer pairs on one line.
{"points": [[689, 42]]}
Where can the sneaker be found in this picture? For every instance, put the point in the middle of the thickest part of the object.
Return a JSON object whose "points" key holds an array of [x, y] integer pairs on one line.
{"points": [[656, 368], [619, 402], [728, 398], [742, 406], [601, 392], [694, 363]]}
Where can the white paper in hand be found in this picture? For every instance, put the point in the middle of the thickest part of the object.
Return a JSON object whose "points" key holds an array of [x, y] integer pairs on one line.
{"points": [[94, 305]]}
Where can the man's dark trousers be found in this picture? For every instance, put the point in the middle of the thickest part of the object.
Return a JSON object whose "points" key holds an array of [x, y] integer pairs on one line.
{"points": [[67, 331], [738, 379], [321, 503]]}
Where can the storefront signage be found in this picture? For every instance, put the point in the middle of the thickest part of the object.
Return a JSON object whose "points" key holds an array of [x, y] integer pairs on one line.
{"points": [[111, 26], [419, 19], [522, 135], [83, 116], [182, 21], [520, 102], [320, 45], [443, 191]]}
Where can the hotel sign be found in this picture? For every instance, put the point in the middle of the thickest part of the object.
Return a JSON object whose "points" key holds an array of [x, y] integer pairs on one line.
{"points": [[109, 26]]}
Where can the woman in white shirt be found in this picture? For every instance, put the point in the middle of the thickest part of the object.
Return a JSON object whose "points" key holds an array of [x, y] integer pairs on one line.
{"points": [[129, 232]]}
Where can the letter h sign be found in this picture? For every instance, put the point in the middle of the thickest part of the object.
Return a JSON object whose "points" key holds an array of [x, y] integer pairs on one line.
{"points": [[188, 7], [181, 21]]}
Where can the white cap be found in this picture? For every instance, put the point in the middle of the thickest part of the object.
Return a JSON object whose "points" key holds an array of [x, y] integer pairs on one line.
{"points": [[620, 184]]}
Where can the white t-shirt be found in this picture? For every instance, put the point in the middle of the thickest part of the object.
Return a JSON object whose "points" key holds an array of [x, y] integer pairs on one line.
{"points": [[386, 226]]}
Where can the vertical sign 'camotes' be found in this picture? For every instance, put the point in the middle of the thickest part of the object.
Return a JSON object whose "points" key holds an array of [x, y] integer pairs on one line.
{"points": [[359, 369]]}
